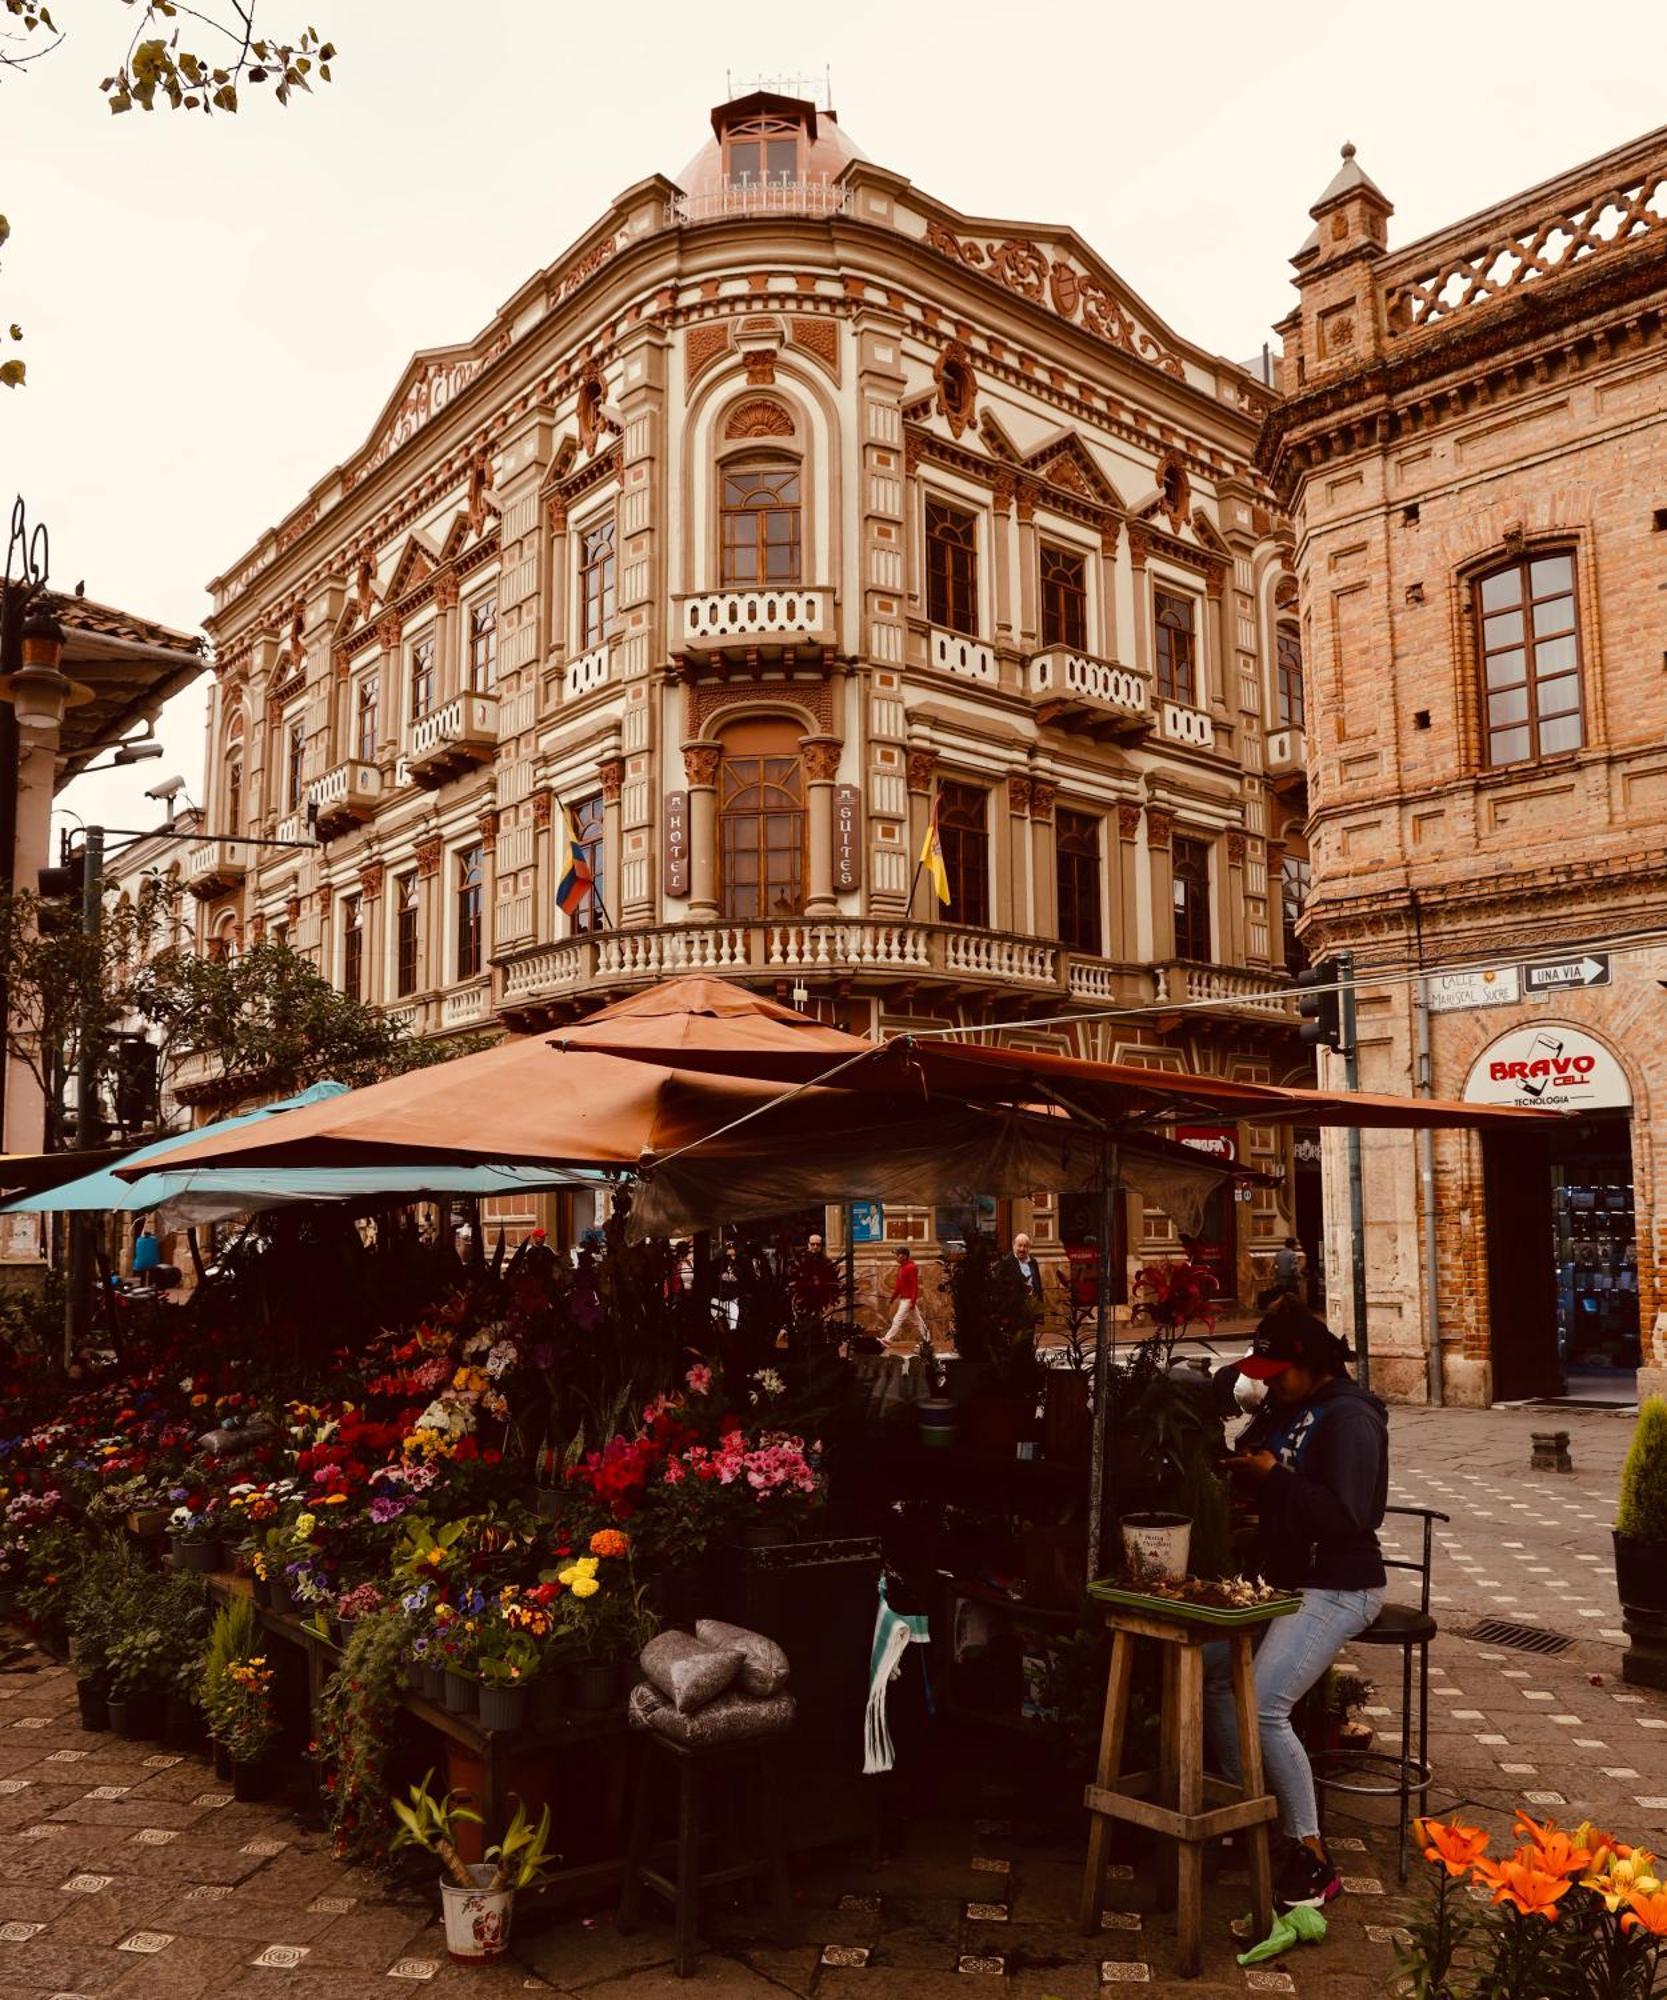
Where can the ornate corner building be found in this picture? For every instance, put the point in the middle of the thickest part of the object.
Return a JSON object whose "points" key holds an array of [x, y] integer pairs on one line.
{"points": [[1471, 442], [788, 509]]}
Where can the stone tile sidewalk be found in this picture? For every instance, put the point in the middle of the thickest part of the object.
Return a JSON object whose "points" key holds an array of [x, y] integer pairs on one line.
{"points": [[125, 1870]]}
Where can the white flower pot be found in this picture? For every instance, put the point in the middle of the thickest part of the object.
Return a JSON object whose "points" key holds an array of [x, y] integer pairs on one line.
{"points": [[477, 1920], [1159, 1542]]}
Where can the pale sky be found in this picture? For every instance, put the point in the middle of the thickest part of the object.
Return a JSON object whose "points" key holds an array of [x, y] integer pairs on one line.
{"points": [[216, 310]]}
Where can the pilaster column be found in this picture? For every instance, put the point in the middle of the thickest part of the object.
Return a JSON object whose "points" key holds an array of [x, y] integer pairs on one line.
{"points": [[1108, 592], [1019, 912], [1159, 826], [448, 649], [1215, 585], [545, 874], [556, 596], [1044, 859], [1142, 659], [1234, 942], [1001, 554], [1029, 579], [1124, 941], [430, 915], [923, 904], [393, 696], [371, 878], [611, 771], [1276, 904], [700, 763], [821, 762]]}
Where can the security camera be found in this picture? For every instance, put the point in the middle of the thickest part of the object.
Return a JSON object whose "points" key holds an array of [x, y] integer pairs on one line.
{"points": [[167, 791]]}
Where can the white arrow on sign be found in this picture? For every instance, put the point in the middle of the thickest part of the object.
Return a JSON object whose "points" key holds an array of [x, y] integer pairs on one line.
{"points": [[1585, 971]]}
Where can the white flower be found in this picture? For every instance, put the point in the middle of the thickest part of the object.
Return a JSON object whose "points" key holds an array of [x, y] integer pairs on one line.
{"points": [[770, 1382]]}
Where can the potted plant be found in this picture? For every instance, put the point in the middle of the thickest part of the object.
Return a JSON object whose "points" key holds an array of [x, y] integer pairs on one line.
{"points": [[245, 1723], [1067, 1419], [517, 1634], [603, 1619], [364, 1600], [478, 1898], [234, 1635], [1641, 1548], [1341, 1694], [457, 1639], [194, 1534], [936, 1413], [91, 1619]]}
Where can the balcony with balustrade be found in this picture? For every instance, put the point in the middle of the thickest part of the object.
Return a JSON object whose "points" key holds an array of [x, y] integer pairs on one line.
{"points": [[214, 866], [346, 796], [1287, 761], [1179, 722], [1230, 993], [744, 626], [920, 960], [1090, 697], [451, 738]]}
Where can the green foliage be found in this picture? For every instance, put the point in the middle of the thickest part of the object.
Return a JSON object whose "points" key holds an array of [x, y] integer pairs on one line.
{"points": [[431, 1824], [54, 1563], [234, 1635], [156, 1632], [523, 1855], [105, 1581], [356, 1722], [1642, 1510], [994, 1316]]}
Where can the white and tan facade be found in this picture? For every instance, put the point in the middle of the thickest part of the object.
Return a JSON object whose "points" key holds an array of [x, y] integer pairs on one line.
{"points": [[785, 508]]}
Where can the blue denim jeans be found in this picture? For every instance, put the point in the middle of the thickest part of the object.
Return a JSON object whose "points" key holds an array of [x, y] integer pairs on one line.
{"points": [[1294, 1653]]}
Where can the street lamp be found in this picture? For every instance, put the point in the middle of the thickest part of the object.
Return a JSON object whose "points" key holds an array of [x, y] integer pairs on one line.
{"points": [[39, 691]]}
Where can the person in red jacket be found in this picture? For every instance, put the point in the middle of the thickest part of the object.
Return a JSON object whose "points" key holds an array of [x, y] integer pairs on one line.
{"points": [[907, 1325]]}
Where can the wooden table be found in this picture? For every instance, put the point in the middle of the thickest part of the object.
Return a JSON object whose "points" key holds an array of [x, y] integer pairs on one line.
{"points": [[1172, 1802]]}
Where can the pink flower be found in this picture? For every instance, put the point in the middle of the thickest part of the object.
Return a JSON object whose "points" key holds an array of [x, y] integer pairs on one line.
{"points": [[699, 1379]]}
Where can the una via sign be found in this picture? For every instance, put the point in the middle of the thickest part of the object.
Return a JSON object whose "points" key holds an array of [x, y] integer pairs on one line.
{"points": [[1559, 975]]}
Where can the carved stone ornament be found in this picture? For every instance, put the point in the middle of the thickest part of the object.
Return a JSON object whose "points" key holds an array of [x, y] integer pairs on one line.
{"points": [[821, 759], [387, 634], [364, 587], [759, 417], [1235, 850], [914, 447], [957, 400], [1140, 546], [1043, 792], [761, 367], [477, 493], [922, 763], [1285, 592], [1024, 498], [1108, 540], [487, 827], [292, 908], [700, 761], [611, 771], [817, 336], [1002, 489], [257, 927], [701, 347], [1175, 484], [370, 880], [592, 394], [541, 808], [428, 857], [1128, 822], [555, 512], [1018, 797], [445, 590], [1159, 826]]}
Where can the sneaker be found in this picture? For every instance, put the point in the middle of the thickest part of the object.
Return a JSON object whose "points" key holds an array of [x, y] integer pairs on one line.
{"points": [[1304, 1882]]}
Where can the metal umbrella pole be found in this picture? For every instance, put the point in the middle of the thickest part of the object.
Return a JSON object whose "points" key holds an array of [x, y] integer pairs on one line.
{"points": [[1104, 1337]]}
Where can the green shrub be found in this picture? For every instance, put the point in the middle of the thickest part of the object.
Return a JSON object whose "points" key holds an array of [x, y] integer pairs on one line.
{"points": [[1642, 1512], [234, 1635]]}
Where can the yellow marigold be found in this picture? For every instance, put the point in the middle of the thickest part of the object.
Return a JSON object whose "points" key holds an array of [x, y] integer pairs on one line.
{"points": [[585, 1586], [609, 1542], [334, 1500], [568, 1576]]}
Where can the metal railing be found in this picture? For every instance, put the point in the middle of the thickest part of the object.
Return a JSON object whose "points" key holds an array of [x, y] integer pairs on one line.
{"points": [[745, 196]]}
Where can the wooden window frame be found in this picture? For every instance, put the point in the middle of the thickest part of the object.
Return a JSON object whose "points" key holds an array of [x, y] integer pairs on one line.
{"points": [[422, 675], [353, 947], [598, 594], [1530, 645], [964, 835], [295, 762], [1064, 599], [732, 514], [590, 816], [367, 710], [1077, 862], [1186, 947], [234, 786], [1290, 691], [764, 132], [737, 775], [482, 640], [952, 567], [1168, 673], [1296, 956], [470, 893], [408, 900]]}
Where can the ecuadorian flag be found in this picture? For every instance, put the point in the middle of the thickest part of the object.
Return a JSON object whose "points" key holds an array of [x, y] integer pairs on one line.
{"points": [[578, 884], [931, 857]]}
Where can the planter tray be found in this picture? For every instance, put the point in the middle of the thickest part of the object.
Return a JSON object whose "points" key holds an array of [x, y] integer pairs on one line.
{"points": [[1193, 1614]]}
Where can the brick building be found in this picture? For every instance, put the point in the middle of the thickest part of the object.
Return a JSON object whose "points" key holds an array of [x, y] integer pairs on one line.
{"points": [[784, 509], [1471, 443]]}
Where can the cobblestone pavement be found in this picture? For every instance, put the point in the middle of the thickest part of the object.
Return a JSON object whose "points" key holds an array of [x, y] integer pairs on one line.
{"points": [[128, 1871]]}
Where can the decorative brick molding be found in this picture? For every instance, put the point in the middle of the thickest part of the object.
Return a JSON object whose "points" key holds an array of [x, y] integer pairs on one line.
{"points": [[701, 761], [922, 764], [1235, 850], [821, 757], [611, 771], [370, 880], [1128, 822], [1043, 792], [1159, 826], [1018, 797], [542, 804], [428, 857], [445, 590]]}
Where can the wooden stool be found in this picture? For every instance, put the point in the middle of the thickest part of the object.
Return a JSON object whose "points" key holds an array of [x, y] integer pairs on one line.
{"points": [[1179, 1811], [693, 1766]]}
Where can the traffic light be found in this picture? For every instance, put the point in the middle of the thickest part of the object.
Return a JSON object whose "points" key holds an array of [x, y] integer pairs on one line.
{"points": [[136, 1080], [1321, 1006], [57, 901]]}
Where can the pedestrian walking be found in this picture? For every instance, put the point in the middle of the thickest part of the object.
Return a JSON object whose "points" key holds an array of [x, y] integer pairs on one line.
{"points": [[906, 1319], [1320, 1471]]}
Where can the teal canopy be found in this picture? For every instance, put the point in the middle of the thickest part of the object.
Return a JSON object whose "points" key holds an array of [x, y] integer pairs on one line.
{"points": [[207, 1194]]}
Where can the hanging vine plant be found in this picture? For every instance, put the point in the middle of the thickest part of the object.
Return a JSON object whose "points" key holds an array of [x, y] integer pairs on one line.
{"points": [[357, 1718]]}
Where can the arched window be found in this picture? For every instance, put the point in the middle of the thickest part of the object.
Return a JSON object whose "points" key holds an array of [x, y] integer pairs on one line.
{"points": [[762, 152], [964, 836], [232, 798], [760, 515], [1528, 642], [761, 822], [1289, 705], [596, 583]]}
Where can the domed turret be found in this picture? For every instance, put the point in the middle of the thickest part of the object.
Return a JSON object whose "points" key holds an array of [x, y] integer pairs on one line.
{"points": [[768, 153]]}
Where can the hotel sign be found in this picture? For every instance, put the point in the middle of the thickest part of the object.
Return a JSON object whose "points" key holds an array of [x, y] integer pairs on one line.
{"points": [[677, 843], [847, 838]]}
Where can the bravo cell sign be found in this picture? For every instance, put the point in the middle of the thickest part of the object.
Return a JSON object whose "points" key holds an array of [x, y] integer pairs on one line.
{"points": [[1552, 1067]]}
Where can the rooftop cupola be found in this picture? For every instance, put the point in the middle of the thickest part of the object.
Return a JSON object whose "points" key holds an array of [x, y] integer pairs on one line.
{"points": [[768, 154]]}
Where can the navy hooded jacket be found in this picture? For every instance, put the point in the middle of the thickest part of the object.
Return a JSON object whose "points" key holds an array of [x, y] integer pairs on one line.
{"points": [[1322, 1504]]}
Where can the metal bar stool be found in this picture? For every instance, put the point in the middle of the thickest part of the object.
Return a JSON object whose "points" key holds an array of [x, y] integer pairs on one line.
{"points": [[1384, 1774]]}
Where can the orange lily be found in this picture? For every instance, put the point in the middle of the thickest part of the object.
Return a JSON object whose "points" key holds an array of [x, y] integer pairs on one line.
{"points": [[1455, 1846], [1522, 1882], [1553, 1850], [1647, 1913]]}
